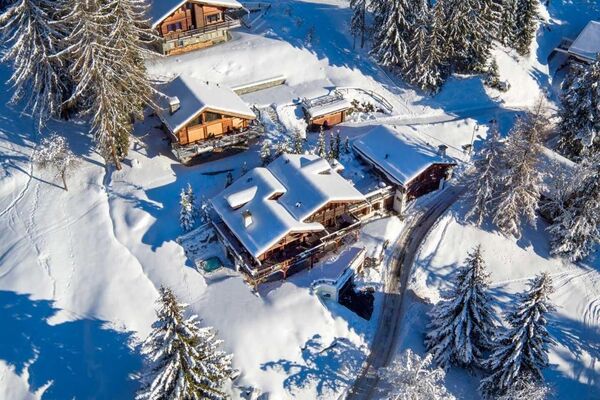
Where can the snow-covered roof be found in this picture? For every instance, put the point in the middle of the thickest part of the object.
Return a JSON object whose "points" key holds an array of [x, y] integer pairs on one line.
{"points": [[279, 198], [161, 9], [324, 105], [194, 97], [587, 44], [401, 156]]}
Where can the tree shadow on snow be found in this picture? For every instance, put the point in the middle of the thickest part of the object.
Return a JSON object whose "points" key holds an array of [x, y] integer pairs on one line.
{"points": [[329, 368], [81, 359]]}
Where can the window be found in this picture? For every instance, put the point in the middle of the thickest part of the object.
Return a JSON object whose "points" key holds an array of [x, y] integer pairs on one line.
{"points": [[211, 19], [174, 27], [210, 116], [196, 121]]}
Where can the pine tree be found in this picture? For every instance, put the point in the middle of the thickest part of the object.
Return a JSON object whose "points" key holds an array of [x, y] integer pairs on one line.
{"points": [[183, 359], [244, 168], [358, 25], [507, 25], [463, 324], [413, 378], [520, 186], [579, 126], [204, 211], [483, 182], [346, 145], [32, 36], [298, 142], [54, 153], [380, 10], [390, 47], [265, 152], [522, 352], [526, 24], [284, 146], [526, 388], [321, 148], [576, 226], [228, 179], [337, 144], [187, 213]]}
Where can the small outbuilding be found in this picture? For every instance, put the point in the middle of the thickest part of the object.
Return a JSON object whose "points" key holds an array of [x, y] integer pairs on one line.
{"points": [[201, 117], [585, 47], [325, 111], [406, 160]]}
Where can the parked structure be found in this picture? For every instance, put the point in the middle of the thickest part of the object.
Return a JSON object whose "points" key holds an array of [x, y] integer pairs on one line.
{"points": [[325, 111], [202, 117], [186, 25], [277, 220], [406, 160], [585, 47]]}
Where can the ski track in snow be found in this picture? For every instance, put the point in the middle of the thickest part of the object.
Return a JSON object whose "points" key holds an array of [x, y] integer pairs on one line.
{"points": [[21, 194]]}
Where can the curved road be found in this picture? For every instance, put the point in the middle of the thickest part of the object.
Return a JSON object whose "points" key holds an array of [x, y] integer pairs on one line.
{"points": [[384, 342]]}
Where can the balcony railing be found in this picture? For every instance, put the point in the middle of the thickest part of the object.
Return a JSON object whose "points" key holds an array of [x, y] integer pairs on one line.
{"points": [[228, 23]]}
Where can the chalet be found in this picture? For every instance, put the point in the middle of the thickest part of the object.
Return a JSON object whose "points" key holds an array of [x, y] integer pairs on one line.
{"points": [[585, 47], [185, 25], [277, 220], [325, 111], [202, 117], [405, 160]]}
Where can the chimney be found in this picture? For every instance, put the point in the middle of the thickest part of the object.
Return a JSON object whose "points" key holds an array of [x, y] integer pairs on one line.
{"points": [[174, 104], [442, 148], [247, 218]]}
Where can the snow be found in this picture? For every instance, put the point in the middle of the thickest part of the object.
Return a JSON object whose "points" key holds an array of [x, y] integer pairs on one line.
{"points": [[587, 44], [325, 105], [399, 155], [161, 9], [279, 198], [196, 96]]}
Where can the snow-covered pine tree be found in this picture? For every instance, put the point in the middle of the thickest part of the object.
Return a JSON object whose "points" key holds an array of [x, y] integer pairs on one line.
{"points": [[54, 153], [337, 144], [298, 142], [463, 323], [576, 226], [468, 40], [522, 351], [188, 212], [321, 147], [380, 10], [184, 361], [204, 211], [526, 388], [520, 187], [283, 146], [358, 24], [228, 179], [526, 24], [413, 378], [579, 125], [506, 28], [390, 47], [483, 181], [244, 168], [346, 145], [32, 37], [265, 152]]}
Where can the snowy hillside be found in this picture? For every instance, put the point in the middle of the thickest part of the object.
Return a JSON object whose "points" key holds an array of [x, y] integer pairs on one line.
{"points": [[80, 270]]}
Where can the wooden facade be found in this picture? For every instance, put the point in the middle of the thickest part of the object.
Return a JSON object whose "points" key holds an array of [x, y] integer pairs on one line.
{"points": [[193, 26], [428, 181], [211, 124], [327, 121]]}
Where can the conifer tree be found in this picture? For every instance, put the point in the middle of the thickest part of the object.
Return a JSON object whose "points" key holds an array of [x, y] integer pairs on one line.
{"points": [[32, 37], [576, 226], [506, 28], [463, 323], [187, 213], [380, 10], [265, 152], [183, 360], [579, 125], [358, 24], [346, 145], [391, 41], [526, 24], [321, 148], [228, 179], [522, 352], [483, 182], [298, 142], [337, 144], [520, 185]]}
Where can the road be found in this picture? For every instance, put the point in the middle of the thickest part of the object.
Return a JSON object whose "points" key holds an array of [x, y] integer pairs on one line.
{"points": [[406, 247]]}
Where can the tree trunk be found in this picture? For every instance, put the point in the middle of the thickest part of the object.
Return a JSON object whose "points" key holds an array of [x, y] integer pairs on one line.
{"points": [[116, 160], [63, 175]]}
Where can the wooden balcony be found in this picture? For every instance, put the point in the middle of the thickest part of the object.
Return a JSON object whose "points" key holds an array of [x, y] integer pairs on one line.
{"points": [[228, 23]]}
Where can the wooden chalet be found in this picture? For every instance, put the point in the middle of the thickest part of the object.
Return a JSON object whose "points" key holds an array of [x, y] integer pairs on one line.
{"points": [[203, 117], [325, 111], [193, 24], [277, 220], [406, 160]]}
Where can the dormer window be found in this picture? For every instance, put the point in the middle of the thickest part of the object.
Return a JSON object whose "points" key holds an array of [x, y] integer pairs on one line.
{"points": [[247, 215]]}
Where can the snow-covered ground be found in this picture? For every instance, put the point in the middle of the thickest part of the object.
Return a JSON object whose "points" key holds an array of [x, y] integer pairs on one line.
{"points": [[79, 270]]}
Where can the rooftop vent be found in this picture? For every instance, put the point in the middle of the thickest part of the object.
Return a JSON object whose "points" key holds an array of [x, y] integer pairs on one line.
{"points": [[174, 104], [442, 149], [247, 215], [298, 204]]}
